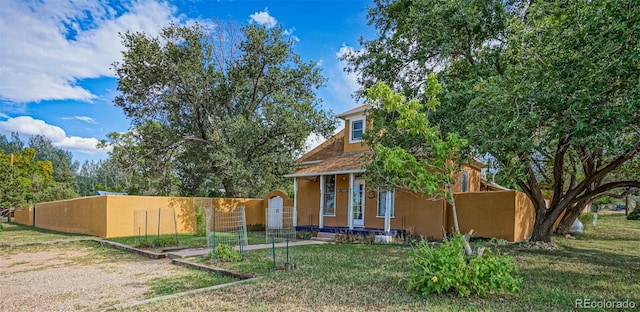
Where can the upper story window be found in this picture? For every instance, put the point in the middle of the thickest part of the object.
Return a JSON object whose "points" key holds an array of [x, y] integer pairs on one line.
{"points": [[357, 129], [464, 186]]}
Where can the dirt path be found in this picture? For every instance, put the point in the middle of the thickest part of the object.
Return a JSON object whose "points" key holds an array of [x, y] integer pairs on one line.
{"points": [[77, 276]]}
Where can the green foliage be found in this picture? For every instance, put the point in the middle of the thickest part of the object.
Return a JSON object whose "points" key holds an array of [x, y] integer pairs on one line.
{"points": [[164, 240], [201, 226], [258, 227], [409, 151], [1, 228], [586, 218], [236, 109], [547, 89], [634, 215], [446, 268], [226, 253]]}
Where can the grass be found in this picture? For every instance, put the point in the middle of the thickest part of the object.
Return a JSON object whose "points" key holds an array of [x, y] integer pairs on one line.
{"points": [[195, 279], [185, 240], [18, 233], [602, 264]]}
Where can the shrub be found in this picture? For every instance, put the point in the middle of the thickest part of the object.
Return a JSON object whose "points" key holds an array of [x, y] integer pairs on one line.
{"points": [[1, 228], [224, 252], [586, 218], [201, 229], [445, 269], [634, 215], [163, 241], [256, 227]]}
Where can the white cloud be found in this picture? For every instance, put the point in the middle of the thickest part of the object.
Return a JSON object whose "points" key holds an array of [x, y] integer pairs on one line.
{"points": [[86, 119], [351, 79], [289, 32], [48, 46], [25, 125], [263, 18]]}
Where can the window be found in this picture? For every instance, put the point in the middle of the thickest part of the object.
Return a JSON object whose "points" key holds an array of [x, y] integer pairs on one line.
{"points": [[382, 203], [464, 186], [330, 195], [357, 129]]}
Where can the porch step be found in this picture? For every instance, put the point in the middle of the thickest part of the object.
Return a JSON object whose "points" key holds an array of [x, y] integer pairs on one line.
{"points": [[325, 237]]}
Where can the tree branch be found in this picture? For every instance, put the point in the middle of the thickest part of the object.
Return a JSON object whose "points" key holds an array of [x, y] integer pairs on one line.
{"points": [[606, 187]]}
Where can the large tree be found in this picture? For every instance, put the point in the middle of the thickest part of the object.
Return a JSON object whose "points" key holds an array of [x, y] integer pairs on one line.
{"points": [[549, 89], [220, 104]]}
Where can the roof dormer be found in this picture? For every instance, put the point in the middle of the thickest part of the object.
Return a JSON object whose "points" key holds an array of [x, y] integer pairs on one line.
{"points": [[355, 123]]}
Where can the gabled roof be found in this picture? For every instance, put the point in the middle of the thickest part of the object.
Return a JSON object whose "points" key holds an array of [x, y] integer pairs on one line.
{"points": [[353, 111], [352, 162], [328, 158], [328, 148]]}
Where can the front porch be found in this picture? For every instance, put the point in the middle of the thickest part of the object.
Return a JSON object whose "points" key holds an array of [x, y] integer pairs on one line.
{"points": [[346, 230]]}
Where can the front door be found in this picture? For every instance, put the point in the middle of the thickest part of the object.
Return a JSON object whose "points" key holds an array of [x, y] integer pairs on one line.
{"points": [[358, 203]]}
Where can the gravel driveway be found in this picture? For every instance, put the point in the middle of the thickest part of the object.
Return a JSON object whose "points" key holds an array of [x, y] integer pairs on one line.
{"points": [[75, 276]]}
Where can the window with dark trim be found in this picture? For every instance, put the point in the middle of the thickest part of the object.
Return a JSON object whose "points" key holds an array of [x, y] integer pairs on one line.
{"points": [[464, 186], [382, 203], [329, 195]]}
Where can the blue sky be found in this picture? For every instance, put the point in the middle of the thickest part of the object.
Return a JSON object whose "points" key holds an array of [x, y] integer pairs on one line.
{"points": [[55, 56]]}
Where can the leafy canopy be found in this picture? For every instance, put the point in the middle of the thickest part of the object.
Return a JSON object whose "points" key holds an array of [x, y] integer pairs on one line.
{"points": [[548, 89], [218, 107], [409, 152]]}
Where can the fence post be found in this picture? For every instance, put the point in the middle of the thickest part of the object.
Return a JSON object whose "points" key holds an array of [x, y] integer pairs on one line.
{"points": [[158, 242]]}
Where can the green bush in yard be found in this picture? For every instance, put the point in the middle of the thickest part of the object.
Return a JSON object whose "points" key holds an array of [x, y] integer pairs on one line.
{"points": [[634, 215], [224, 252], [586, 218], [446, 268]]}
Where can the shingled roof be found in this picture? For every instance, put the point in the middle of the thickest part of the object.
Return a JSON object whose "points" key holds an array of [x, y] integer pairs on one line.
{"points": [[329, 158]]}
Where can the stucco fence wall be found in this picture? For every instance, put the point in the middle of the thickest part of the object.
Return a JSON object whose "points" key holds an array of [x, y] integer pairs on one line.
{"points": [[505, 214], [113, 215]]}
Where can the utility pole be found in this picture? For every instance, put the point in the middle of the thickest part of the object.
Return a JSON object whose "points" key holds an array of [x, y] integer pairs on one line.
{"points": [[626, 201], [10, 184]]}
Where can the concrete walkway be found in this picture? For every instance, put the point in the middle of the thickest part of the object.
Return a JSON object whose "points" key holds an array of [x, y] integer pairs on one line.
{"points": [[187, 253]]}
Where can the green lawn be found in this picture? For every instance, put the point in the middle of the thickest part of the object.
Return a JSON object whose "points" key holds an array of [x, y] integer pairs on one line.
{"points": [[603, 264], [15, 233]]}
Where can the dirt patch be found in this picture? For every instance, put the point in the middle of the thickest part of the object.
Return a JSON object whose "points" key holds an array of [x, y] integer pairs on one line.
{"points": [[56, 279]]}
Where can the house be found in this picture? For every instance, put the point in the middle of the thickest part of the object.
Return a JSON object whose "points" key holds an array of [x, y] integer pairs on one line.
{"points": [[331, 194]]}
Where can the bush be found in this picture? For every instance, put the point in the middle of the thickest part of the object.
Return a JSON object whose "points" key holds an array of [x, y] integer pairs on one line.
{"points": [[445, 269], [201, 229], [586, 218], [256, 227], [634, 215], [163, 241], [1, 229], [224, 252]]}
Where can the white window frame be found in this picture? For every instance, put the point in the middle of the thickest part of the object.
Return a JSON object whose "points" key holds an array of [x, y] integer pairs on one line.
{"points": [[464, 187], [393, 204], [324, 208], [351, 122]]}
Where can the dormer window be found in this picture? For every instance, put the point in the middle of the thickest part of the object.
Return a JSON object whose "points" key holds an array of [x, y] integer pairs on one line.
{"points": [[357, 129]]}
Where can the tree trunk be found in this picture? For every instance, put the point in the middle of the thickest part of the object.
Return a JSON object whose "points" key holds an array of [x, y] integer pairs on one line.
{"points": [[541, 230], [564, 227]]}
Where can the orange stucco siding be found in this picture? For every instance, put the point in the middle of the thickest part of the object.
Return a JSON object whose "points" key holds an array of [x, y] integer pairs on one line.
{"points": [[308, 201], [503, 214], [87, 215], [475, 175]]}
